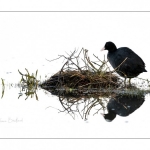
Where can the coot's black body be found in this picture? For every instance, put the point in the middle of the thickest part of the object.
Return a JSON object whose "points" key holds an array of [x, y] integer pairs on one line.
{"points": [[132, 66]]}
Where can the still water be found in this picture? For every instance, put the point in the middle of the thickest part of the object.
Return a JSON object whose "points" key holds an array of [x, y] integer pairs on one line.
{"points": [[27, 40], [54, 116]]}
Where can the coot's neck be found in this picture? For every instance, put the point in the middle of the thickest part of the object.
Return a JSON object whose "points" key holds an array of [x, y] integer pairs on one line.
{"points": [[113, 49]]}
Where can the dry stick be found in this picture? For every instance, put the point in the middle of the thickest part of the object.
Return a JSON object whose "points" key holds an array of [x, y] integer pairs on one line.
{"points": [[109, 71], [77, 60], [98, 64], [89, 62], [103, 63], [86, 65], [75, 52], [119, 65], [65, 63], [53, 59], [70, 59], [100, 60], [84, 60], [77, 57], [85, 51], [76, 66], [56, 58], [80, 52], [88, 59], [67, 59]]}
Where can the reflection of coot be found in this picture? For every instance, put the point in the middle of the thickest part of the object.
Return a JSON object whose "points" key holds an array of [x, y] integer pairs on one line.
{"points": [[131, 67], [123, 105]]}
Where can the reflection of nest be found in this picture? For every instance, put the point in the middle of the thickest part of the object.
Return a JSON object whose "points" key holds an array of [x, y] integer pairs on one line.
{"points": [[82, 105], [86, 103]]}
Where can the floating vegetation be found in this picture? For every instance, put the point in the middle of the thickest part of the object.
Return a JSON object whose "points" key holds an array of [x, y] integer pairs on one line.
{"points": [[29, 84], [29, 80], [91, 75], [3, 88]]}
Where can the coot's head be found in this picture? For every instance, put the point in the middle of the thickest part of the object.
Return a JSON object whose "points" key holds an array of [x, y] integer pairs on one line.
{"points": [[110, 46], [110, 116]]}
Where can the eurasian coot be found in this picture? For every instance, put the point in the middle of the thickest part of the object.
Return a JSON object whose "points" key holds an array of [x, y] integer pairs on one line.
{"points": [[127, 63]]}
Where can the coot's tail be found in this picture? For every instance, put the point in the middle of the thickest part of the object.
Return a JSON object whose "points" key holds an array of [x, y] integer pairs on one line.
{"points": [[144, 70]]}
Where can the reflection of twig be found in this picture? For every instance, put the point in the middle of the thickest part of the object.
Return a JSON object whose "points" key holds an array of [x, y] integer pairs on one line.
{"points": [[102, 108], [52, 107], [29, 84], [82, 106], [68, 109], [3, 88]]}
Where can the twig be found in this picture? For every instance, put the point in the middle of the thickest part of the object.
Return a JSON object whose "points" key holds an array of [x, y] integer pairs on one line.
{"points": [[119, 65], [53, 59]]}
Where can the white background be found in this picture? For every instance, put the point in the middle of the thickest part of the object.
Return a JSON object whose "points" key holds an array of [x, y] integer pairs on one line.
{"points": [[80, 5], [29, 38]]}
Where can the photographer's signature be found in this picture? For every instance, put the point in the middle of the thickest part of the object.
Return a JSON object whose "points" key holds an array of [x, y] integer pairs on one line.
{"points": [[11, 120]]}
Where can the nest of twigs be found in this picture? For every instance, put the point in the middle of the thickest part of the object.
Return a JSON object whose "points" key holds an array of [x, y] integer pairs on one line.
{"points": [[84, 79], [92, 74]]}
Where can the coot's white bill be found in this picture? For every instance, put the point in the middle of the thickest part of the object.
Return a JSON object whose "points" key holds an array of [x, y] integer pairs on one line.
{"points": [[103, 49]]}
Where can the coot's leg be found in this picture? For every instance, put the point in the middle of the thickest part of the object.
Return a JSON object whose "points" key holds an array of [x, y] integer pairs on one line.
{"points": [[125, 81], [129, 81]]}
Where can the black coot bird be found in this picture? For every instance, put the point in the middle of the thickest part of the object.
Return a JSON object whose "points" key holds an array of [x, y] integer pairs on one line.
{"points": [[127, 63]]}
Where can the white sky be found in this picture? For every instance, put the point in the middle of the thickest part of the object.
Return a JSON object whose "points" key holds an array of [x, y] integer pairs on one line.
{"points": [[30, 38]]}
